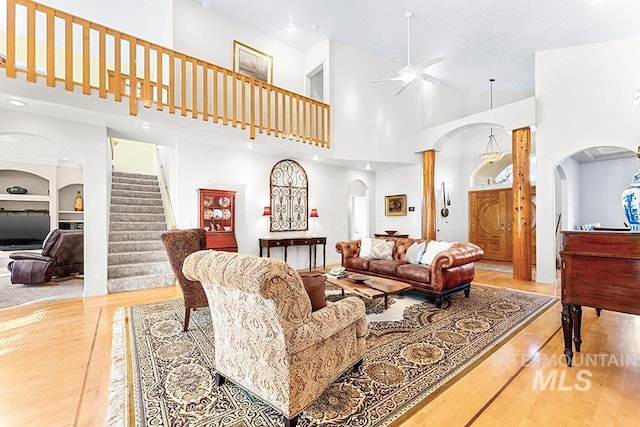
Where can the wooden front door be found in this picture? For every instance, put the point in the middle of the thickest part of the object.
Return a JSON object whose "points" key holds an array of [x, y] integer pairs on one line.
{"points": [[490, 218], [490, 223]]}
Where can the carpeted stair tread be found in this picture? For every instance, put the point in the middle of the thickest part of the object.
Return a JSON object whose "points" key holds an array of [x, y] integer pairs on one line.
{"points": [[136, 187], [134, 236], [136, 194], [138, 269], [149, 281], [137, 209], [134, 181], [127, 258], [136, 202], [133, 175], [137, 217], [138, 226], [136, 246]]}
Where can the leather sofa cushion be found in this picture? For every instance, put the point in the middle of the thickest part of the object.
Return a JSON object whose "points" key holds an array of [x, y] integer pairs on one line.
{"points": [[314, 284], [357, 263], [416, 272], [387, 267]]}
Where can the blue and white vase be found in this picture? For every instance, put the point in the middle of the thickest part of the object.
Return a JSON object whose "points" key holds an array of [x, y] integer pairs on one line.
{"points": [[631, 202]]}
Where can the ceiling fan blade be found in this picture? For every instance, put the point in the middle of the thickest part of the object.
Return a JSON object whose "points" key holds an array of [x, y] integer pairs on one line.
{"points": [[404, 86], [394, 79], [430, 62], [427, 77]]}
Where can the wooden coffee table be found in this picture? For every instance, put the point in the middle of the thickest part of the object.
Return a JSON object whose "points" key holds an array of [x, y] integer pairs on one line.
{"points": [[372, 288]]}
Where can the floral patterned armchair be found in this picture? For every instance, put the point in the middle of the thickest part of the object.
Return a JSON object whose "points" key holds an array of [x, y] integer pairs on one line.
{"points": [[267, 339]]}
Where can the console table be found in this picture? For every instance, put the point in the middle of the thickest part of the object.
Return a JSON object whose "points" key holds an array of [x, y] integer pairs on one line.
{"points": [[600, 269], [312, 242]]}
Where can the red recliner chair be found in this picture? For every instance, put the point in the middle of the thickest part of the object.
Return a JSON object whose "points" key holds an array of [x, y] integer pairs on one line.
{"points": [[62, 255]]}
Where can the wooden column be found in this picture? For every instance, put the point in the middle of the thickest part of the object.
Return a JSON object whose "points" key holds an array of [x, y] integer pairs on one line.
{"points": [[428, 195], [521, 150]]}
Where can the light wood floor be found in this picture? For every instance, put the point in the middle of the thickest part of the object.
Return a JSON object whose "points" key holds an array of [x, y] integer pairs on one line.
{"points": [[55, 361]]}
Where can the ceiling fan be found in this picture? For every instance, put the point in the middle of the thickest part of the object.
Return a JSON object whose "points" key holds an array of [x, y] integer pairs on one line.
{"points": [[410, 73]]}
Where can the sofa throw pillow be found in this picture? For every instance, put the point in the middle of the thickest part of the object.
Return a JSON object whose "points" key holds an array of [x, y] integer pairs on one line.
{"points": [[314, 284], [433, 248], [365, 247], [414, 253], [382, 249]]}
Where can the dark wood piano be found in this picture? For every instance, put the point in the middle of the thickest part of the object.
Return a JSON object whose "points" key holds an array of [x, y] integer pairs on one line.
{"points": [[600, 269]]}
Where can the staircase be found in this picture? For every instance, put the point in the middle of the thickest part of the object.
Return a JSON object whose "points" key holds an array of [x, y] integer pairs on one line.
{"points": [[137, 257]]}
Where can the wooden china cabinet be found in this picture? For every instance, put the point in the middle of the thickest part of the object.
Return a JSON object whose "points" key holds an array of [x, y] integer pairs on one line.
{"points": [[216, 214]]}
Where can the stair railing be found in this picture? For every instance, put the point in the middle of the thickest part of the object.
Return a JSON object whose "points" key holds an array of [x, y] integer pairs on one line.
{"points": [[58, 47]]}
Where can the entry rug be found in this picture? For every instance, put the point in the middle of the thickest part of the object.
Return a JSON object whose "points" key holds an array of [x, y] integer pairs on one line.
{"points": [[165, 377]]}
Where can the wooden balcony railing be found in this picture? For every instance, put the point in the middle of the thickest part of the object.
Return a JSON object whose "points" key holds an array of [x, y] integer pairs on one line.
{"points": [[61, 48]]}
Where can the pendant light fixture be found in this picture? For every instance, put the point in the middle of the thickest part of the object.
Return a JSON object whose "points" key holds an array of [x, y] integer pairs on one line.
{"points": [[491, 154]]}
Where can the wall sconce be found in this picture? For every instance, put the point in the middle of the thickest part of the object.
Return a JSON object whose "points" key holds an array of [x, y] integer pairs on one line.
{"points": [[314, 215], [266, 212]]}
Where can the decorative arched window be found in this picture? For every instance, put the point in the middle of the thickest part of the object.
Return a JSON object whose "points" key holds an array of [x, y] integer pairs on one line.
{"points": [[289, 197]]}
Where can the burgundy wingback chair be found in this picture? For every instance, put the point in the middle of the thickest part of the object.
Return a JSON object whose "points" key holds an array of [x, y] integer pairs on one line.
{"points": [[180, 244], [62, 255]]}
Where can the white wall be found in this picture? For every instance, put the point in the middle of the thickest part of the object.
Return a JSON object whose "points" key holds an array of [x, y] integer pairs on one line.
{"points": [[601, 186], [570, 195], [584, 98], [316, 55], [369, 122], [199, 165], [477, 102], [133, 157], [150, 20], [204, 34], [439, 104], [406, 180]]}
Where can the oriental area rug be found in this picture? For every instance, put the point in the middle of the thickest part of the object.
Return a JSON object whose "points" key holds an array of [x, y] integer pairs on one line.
{"points": [[163, 376]]}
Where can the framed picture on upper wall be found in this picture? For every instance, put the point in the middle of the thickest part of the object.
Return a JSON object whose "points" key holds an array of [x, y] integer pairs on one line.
{"points": [[252, 62], [395, 205]]}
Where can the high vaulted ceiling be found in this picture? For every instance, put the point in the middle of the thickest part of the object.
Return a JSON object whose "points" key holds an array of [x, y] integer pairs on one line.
{"points": [[482, 39]]}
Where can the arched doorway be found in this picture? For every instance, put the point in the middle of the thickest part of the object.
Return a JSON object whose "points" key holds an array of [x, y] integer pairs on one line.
{"points": [[52, 174], [589, 184], [358, 222]]}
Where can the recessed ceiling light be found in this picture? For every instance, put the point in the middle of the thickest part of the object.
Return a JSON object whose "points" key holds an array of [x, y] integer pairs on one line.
{"points": [[316, 157], [250, 144], [367, 166], [315, 26], [16, 102], [146, 126]]}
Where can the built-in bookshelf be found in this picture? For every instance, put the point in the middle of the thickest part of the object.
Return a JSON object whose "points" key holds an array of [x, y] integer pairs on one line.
{"points": [[68, 218]]}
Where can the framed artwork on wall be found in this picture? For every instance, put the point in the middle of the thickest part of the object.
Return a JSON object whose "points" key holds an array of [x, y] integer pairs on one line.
{"points": [[252, 62], [395, 205]]}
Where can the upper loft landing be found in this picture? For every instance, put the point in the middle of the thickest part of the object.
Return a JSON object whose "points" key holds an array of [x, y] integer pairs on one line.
{"points": [[52, 47]]}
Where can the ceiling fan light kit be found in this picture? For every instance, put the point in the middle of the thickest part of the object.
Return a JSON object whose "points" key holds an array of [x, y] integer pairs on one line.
{"points": [[491, 154], [410, 73]]}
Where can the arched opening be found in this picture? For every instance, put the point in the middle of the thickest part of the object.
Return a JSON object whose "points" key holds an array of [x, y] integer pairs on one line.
{"points": [[589, 184], [43, 173], [358, 221]]}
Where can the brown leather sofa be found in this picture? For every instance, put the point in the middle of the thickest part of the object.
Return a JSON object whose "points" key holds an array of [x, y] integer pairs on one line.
{"points": [[451, 270], [62, 255]]}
